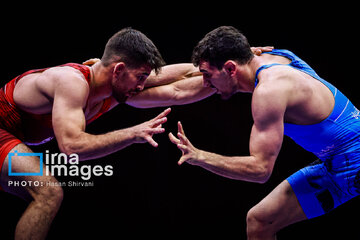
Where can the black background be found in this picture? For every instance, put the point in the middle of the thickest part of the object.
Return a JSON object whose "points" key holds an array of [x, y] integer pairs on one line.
{"points": [[149, 194]]}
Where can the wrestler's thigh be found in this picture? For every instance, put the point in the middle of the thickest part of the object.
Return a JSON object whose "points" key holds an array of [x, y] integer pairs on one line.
{"points": [[280, 208], [32, 185]]}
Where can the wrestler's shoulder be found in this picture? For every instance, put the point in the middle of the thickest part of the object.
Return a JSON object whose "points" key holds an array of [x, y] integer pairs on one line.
{"points": [[275, 80], [276, 73], [63, 75], [63, 71]]}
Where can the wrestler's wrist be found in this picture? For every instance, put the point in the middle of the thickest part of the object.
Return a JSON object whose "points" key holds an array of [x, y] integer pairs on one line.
{"points": [[136, 136], [132, 135], [205, 158], [200, 157]]}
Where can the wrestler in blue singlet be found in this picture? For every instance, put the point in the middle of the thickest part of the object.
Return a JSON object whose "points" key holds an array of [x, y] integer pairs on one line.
{"points": [[335, 178]]}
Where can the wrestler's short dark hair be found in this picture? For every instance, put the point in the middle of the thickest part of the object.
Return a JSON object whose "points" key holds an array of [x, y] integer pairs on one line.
{"points": [[133, 48], [220, 45]]}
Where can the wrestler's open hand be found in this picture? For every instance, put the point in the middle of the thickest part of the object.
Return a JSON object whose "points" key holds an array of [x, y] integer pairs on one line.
{"points": [[259, 50], [189, 152], [144, 132], [91, 61]]}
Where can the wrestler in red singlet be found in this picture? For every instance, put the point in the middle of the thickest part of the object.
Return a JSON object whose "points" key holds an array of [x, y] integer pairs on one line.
{"points": [[15, 123]]}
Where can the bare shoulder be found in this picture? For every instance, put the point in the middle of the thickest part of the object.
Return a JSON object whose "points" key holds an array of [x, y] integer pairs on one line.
{"points": [[276, 83], [271, 96], [65, 79], [277, 74], [64, 74], [273, 80]]}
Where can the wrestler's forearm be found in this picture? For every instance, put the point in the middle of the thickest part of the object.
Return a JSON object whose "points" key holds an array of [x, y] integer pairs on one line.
{"points": [[172, 73], [240, 168], [89, 146], [182, 92]]}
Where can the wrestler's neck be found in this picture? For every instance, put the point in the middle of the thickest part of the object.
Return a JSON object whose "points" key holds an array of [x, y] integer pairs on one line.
{"points": [[246, 75], [100, 84]]}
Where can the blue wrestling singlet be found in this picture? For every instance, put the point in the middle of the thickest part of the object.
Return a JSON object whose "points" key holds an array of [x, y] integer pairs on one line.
{"points": [[335, 178]]}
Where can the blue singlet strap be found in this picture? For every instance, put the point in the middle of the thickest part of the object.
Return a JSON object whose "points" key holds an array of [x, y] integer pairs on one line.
{"points": [[262, 68]]}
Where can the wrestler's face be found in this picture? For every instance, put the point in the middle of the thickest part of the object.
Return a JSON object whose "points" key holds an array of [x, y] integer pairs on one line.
{"points": [[221, 80], [127, 82]]}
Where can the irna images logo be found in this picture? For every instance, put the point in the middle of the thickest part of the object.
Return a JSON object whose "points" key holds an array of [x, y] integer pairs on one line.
{"points": [[60, 164], [11, 155]]}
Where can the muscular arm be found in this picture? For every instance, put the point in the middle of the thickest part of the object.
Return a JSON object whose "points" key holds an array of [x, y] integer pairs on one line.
{"points": [[178, 84], [69, 123], [172, 73], [265, 143]]}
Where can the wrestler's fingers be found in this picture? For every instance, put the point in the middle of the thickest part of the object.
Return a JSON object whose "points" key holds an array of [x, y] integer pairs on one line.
{"points": [[263, 49], [163, 114], [158, 122], [182, 160], [173, 139], [156, 130], [91, 61], [151, 141], [267, 48], [256, 51], [259, 50], [180, 128], [183, 138], [183, 147]]}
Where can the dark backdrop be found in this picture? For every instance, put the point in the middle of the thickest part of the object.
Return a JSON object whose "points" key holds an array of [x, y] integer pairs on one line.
{"points": [[149, 194]]}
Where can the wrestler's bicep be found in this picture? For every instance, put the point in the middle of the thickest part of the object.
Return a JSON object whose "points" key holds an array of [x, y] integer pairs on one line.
{"points": [[67, 115], [267, 134]]}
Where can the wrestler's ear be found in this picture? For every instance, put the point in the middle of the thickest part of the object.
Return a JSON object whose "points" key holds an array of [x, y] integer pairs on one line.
{"points": [[119, 68], [230, 67]]}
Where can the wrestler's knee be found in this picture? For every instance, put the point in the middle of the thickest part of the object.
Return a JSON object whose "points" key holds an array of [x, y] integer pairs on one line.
{"points": [[258, 225], [49, 195]]}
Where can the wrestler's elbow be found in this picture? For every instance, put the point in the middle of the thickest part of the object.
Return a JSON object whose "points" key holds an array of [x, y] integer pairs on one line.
{"points": [[255, 175], [263, 171], [263, 176], [71, 145], [67, 148]]}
